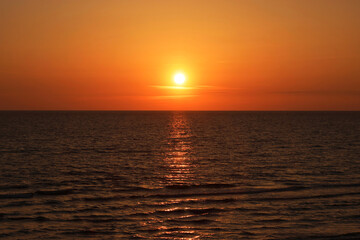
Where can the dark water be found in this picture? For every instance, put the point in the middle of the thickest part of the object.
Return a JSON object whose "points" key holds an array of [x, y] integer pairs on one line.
{"points": [[180, 175]]}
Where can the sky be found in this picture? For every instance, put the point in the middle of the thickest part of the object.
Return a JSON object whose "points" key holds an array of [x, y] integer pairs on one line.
{"points": [[235, 54]]}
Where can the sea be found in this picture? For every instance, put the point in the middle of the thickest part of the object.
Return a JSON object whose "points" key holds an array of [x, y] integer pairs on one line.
{"points": [[179, 175]]}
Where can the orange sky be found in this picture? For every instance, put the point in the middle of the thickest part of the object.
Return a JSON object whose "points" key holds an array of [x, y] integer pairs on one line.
{"points": [[237, 55]]}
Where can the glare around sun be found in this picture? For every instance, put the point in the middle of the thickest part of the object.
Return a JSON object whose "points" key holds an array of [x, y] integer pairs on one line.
{"points": [[179, 78]]}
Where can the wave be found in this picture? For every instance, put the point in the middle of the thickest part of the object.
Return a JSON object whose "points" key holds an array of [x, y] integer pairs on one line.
{"points": [[18, 204], [200, 194], [214, 185], [203, 221], [19, 186], [181, 211], [36, 219], [347, 236], [37, 193], [16, 195], [88, 232], [101, 199], [55, 192], [305, 197], [186, 202]]}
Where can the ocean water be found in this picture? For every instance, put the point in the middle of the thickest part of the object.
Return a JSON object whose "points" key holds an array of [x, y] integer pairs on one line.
{"points": [[180, 175]]}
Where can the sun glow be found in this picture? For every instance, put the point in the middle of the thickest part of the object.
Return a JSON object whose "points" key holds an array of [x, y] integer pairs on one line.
{"points": [[179, 78]]}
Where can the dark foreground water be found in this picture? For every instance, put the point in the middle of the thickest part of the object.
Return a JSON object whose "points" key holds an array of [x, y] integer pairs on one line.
{"points": [[180, 175]]}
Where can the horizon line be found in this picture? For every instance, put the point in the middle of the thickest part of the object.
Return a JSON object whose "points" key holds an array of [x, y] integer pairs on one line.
{"points": [[166, 110]]}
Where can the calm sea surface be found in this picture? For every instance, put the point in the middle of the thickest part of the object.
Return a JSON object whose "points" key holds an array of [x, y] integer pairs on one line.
{"points": [[180, 175]]}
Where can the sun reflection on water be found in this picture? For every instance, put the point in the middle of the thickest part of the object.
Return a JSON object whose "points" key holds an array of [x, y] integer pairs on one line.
{"points": [[178, 159], [173, 218], [179, 162]]}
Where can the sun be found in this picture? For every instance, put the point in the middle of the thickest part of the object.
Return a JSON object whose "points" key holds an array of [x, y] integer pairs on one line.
{"points": [[179, 78]]}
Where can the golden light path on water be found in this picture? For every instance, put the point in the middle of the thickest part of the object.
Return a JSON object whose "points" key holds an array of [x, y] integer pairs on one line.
{"points": [[180, 171], [178, 155], [180, 167]]}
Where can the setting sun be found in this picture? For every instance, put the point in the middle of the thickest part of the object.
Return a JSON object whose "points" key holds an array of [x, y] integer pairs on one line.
{"points": [[179, 78]]}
